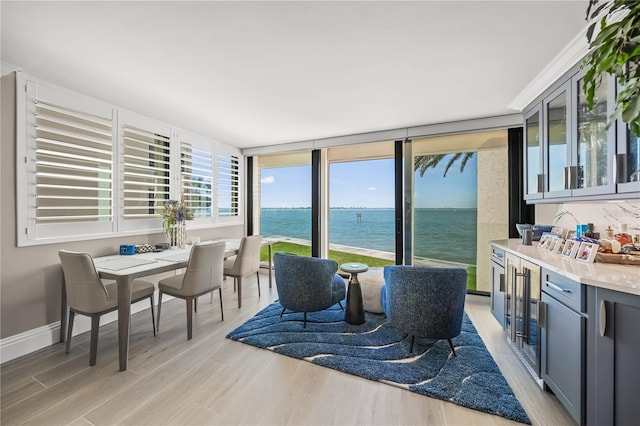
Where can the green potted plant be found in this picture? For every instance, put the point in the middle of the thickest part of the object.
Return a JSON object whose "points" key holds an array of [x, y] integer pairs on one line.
{"points": [[615, 50]]}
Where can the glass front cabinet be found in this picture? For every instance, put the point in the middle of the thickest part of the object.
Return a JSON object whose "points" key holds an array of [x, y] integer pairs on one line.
{"points": [[627, 164], [570, 151], [594, 148], [533, 153], [557, 142]]}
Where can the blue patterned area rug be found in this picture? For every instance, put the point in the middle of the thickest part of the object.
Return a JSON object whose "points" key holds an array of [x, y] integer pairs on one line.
{"points": [[377, 352]]}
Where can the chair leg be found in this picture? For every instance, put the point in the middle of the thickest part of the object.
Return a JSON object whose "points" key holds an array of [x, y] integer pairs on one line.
{"points": [[239, 292], [258, 277], [159, 308], [195, 304], [453, 351], [413, 338], [67, 347], [153, 320], [93, 351], [235, 284], [221, 310], [282, 313], [304, 324], [189, 301]]}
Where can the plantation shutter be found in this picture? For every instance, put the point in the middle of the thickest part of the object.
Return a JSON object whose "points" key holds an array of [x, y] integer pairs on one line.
{"points": [[228, 185], [69, 166], [196, 172], [86, 169], [146, 177]]}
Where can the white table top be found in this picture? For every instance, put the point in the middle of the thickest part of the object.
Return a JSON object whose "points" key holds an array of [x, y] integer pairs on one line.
{"points": [[117, 265]]}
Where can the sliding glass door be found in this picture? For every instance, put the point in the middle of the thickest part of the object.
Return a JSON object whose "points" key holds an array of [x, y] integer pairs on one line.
{"points": [[458, 204], [361, 213], [284, 192]]}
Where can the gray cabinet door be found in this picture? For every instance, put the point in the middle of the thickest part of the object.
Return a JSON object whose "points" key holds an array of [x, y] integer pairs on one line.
{"points": [[562, 354], [497, 292], [616, 379]]}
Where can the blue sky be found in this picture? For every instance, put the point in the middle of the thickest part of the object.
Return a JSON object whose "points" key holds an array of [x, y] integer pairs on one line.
{"points": [[370, 184]]}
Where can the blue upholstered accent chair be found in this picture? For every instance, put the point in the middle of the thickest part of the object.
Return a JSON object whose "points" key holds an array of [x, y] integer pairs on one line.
{"points": [[307, 284], [425, 301]]}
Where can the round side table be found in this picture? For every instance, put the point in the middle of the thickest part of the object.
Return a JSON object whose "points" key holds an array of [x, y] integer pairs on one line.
{"points": [[354, 312]]}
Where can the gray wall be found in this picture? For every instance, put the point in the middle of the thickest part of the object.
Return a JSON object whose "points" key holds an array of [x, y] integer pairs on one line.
{"points": [[31, 277]]}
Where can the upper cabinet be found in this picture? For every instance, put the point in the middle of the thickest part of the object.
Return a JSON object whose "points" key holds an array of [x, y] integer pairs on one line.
{"points": [[534, 180], [627, 165], [570, 152], [557, 142]]}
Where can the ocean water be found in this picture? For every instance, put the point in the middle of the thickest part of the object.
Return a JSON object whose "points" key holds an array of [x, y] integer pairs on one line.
{"points": [[444, 234]]}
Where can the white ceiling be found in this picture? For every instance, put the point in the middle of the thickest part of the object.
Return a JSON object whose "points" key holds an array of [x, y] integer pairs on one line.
{"points": [[251, 74]]}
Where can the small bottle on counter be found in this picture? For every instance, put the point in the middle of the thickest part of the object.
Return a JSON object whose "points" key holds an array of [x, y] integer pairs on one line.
{"points": [[623, 237], [609, 232]]}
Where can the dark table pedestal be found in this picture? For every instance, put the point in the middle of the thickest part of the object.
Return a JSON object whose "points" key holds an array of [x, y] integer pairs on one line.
{"points": [[354, 311]]}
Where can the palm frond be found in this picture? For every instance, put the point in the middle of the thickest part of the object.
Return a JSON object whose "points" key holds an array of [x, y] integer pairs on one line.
{"points": [[450, 163], [422, 163]]}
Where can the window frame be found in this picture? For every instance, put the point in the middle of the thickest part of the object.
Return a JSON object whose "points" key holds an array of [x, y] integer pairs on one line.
{"points": [[28, 233]]}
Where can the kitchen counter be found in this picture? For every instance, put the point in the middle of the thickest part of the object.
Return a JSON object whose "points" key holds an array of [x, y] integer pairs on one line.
{"points": [[623, 278]]}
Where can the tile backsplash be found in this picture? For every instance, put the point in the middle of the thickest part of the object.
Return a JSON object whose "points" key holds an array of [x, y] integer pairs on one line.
{"points": [[601, 214]]}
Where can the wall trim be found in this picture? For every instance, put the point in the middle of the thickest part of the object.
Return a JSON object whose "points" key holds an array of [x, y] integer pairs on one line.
{"points": [[563, 62], [18, 345]]}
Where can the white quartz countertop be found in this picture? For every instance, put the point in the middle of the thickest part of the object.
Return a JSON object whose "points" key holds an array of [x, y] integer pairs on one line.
{"points": [[623, 278]]}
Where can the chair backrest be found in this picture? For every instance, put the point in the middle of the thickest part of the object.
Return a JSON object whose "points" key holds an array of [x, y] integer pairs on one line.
{"points": [[205, 267], [425, 301], [248, 258], [304, 283], [85, 290]]}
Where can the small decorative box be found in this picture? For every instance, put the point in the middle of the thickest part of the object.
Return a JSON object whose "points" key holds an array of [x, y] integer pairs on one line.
{"points": [[144, 248], [127, 249]]}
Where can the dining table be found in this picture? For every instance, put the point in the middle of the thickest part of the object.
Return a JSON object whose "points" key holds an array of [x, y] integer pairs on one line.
{"points": [[124, 269]]}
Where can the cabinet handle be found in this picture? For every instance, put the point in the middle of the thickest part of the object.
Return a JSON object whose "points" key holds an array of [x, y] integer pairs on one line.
{"points": [[542, 314], [603, 318], [566, 178], [502, 289], [620, 168], [540, 183], [574, 172], [558, 288]]}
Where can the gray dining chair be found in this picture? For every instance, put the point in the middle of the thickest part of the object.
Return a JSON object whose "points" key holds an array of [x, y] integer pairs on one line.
{"points": [[246, 262], [203, 275], [88, 294]]}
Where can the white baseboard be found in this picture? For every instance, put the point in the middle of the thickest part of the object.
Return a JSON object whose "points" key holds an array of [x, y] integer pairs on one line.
{"points": [[30, 341]]}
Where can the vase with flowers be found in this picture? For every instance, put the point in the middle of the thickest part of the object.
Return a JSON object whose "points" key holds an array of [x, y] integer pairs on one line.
{"points": [[175, 214]]}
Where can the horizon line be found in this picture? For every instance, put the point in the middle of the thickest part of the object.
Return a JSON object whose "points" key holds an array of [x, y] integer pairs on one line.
{"points": [[372, 208]]}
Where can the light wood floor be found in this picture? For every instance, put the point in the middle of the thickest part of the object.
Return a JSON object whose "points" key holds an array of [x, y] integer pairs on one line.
{"points": [[213, 380]]}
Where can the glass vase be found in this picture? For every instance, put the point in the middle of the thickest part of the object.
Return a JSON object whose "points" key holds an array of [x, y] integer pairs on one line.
{"points": [[181, 238], [172, 234], [177, 235]]}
